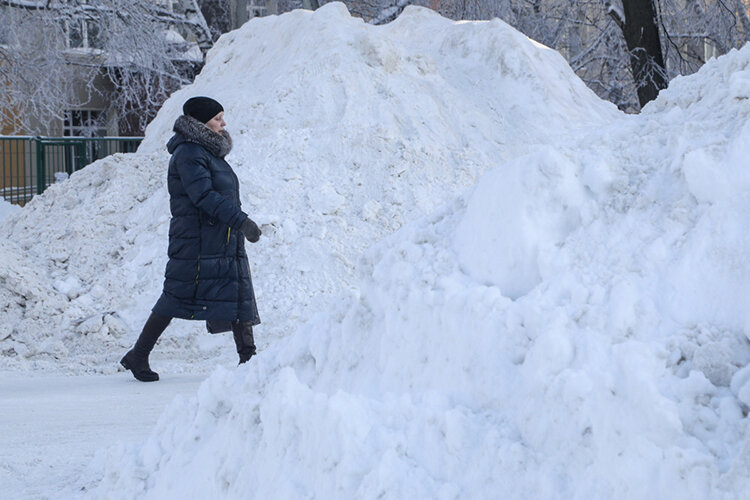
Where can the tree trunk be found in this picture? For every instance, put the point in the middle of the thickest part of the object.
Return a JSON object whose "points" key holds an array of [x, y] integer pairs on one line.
{"points": [[642, 38]]}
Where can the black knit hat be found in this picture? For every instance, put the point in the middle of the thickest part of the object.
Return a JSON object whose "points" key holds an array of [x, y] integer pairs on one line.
{"points": [[202, 108]]}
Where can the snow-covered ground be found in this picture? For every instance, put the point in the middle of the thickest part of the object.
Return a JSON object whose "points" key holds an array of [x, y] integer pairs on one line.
{"points": [[53, 425], [476, 278]]}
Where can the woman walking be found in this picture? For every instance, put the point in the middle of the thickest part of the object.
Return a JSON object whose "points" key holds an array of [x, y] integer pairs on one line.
{"points": [[207, 275]]}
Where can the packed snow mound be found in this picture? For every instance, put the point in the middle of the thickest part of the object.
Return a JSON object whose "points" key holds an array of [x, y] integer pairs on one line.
{"points": [[342, 132], [686, 94], [713, 174], [420, 76], [72, 246], [617, 366]]}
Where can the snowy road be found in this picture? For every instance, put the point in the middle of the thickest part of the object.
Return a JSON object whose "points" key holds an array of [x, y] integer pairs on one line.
{"points": [[53, 425]]}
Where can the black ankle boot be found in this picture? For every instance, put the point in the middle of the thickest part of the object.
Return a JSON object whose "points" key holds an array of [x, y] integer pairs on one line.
{"points": [[136, 359], [139, 366], [246, 354], [243, 339]]}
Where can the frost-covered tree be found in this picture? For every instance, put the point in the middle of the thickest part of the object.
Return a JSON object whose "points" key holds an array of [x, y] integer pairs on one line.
{"points": [[32, 66], [218, 15], [147, 55], [56, 55]]}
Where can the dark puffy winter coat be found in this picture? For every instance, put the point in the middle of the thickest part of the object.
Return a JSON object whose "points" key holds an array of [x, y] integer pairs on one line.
{"points": [[207, 275]]}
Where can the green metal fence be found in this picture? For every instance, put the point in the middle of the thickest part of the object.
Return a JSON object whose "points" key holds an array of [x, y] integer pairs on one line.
{"points": [[29, 164]]}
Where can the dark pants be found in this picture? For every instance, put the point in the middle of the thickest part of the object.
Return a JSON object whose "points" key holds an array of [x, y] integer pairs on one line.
{"points": [[155, 325]]}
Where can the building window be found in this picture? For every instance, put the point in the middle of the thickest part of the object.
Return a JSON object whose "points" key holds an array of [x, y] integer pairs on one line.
{"points": [[75, 34], [94, 35], [167, 4], [84, 34], [709, 49], [85, 123], [256, 8]]}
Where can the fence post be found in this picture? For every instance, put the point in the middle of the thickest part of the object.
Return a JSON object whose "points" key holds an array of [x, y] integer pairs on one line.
{"points": [[82, 153], [41, 171]]}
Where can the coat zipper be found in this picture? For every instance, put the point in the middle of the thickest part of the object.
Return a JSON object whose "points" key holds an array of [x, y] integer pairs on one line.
{"points": [[195, 290]]}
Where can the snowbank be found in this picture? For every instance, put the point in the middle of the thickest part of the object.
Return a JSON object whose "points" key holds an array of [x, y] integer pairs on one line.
{"points": [[343, 132], [614, 366]]}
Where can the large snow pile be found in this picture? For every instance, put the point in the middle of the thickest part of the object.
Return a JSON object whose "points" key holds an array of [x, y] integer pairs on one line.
{"points": [[343, 132], [575, 326]]}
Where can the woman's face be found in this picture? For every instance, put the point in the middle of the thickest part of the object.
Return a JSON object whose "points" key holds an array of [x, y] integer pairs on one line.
{"points": [[217, 123]]}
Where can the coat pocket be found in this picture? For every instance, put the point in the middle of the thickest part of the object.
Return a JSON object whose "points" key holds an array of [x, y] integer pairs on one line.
{"points": [[213, 239]]}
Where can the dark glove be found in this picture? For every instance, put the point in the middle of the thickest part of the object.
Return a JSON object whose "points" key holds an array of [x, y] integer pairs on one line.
{"points": [[251, 230]]}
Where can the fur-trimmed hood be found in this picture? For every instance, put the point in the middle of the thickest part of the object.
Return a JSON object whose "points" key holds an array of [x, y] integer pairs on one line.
{"points": [[188, 129]]}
